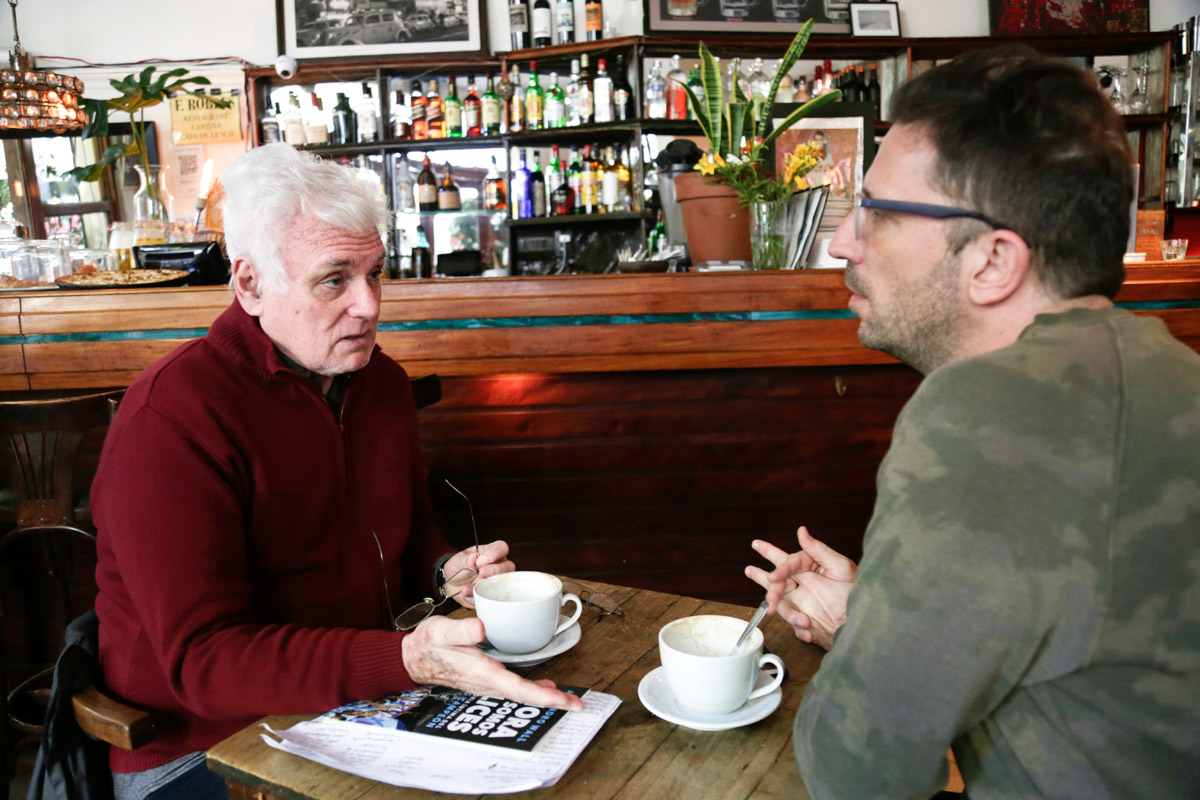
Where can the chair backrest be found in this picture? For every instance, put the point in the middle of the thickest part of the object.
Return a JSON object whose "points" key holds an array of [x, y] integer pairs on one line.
{"points": [[427, 390], [39, 440]]}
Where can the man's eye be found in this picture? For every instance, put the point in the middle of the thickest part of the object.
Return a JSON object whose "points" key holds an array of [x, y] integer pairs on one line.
{"points": [[375, 274], [333, 281]]}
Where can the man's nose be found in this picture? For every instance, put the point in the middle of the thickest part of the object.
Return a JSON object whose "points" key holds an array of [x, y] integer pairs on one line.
{"points": [[844, 243], [365, 299]]}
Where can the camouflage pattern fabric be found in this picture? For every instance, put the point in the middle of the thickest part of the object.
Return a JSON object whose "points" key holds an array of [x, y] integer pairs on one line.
{"points": [[1030, 584]]}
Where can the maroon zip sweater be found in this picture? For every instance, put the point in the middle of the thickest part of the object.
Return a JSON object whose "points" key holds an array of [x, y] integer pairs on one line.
{"points": [[238, 576]]}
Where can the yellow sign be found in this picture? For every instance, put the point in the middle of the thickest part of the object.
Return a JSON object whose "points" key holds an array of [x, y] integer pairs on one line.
{"points": [[199, 121]]}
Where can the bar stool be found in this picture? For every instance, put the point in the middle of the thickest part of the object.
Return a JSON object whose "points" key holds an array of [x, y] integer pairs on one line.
{"points": [[39, 442]]}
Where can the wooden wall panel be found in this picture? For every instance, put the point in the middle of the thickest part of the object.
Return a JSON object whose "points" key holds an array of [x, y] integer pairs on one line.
{"points": [[662, 479]]}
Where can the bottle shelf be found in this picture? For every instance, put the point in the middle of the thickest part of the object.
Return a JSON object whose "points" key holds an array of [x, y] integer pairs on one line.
{"points": [[460, 212], [580, 219], [565, 52], [404, 145]]}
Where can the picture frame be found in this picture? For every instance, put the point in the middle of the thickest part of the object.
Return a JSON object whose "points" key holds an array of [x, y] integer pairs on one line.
{"points": [[745, 16], [315, 30], [875, 18], [849, 129]]}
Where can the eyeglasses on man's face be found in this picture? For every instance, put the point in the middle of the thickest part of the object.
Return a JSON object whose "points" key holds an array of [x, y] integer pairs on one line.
{"points": [[929, 210]]}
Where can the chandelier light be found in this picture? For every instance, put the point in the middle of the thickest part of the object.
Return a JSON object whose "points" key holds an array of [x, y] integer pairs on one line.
{"points": [[37, 103]]}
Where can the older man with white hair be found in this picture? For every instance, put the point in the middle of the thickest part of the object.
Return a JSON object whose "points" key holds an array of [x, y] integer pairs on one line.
{"points": [[260, 503]]}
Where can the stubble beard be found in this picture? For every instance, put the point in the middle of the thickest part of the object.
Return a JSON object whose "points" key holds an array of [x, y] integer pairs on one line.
{"points": [[922, 325]]}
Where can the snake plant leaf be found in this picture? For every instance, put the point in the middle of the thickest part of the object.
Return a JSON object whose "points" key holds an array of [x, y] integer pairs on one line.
{"points": [[736, 123], [710, 76], [785, 66], [812, 105], [698, 109]]}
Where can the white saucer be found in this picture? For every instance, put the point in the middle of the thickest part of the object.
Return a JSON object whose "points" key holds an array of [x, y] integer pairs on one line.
{"points": [[560, 644], [657, 698]]}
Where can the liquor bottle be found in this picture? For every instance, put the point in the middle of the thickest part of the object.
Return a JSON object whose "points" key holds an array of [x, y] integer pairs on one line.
{"points": [[293, 122], [556, 104], [802, 93], [602, 93], [575, 182], [554, 176], [656, 93], [472, 106], [623, 108], [571, 95], [420, 127], [518, 24], [516, 106], [787, 89], [586, 98], [490, 105], [521, 202], [564, 19], [677, 104], [697, 87], [316, 130], [562, 199], [454, 111], [495, 198], [368, 116], [422, 258], [401, 118], [608, 182], [874, 93], [537, 188], [760, 86], [624, 184], [534, 100], [435, 112], [345, 124], [268, 126], [543, 24], [448, 198], [588, 193], [405, 193], [598, 169], [427, 188], [594, 13]]}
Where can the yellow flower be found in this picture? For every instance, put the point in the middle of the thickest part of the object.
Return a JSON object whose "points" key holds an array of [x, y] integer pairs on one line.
{"points": [[709, 163]]}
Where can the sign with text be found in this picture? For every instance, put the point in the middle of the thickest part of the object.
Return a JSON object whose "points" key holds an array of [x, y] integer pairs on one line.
{"points": [[198, 120]]}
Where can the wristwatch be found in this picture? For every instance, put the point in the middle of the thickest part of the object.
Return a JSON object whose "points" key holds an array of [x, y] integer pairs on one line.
{"points": [[439, 577]]}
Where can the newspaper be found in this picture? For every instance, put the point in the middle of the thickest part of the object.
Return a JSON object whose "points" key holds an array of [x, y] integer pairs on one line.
{"points": [[424, 762]]}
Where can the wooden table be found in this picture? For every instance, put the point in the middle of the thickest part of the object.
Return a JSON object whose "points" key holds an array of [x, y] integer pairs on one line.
{"points": [[635, 754]]}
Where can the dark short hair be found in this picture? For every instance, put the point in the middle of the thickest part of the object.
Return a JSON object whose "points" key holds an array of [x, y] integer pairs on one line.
{"points": [[1031, 141]]}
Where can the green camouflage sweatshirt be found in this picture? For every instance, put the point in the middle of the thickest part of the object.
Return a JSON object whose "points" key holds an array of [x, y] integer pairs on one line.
{"points": [[1030, 585]]}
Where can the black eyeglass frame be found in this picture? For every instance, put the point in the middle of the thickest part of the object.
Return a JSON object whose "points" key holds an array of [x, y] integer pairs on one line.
{"points": [[428, 606], [929, 210]]}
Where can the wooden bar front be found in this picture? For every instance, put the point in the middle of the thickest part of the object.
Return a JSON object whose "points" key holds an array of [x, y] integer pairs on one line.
{"points": [[629, 429]]}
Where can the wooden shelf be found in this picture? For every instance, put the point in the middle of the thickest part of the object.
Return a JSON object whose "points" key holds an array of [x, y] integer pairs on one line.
{"points": [[580, 219]]}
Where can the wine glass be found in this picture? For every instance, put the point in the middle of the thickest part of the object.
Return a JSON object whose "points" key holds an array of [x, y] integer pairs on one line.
{"points": [[1138, 102]]}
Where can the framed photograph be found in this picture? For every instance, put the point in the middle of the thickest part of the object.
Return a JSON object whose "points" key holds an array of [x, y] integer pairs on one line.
{"points": [[1051, 18], [875, 19], [323, 29], [845, 133], [746, 16]]}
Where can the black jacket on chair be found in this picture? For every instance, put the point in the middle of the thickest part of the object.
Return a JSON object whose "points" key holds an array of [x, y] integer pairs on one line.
{"points": [[71, 765]]}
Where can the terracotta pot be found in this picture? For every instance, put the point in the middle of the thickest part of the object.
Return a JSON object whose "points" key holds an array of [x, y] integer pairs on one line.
{"points": [[717, 226]]}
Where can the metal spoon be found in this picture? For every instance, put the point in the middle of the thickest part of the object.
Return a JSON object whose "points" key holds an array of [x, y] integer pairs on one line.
{"points": [[751, 625]]}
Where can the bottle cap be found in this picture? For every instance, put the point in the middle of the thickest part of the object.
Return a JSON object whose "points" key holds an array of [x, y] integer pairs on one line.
{"points": [[601, 64]]}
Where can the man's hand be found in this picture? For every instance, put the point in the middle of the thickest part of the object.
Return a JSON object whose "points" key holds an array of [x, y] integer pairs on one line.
{"points": [[492, 560], [442, 651], [809, 588]]}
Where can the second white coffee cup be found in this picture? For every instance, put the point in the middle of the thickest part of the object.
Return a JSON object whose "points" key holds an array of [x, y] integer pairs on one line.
{"points": [[704, 674], [520, 610]]}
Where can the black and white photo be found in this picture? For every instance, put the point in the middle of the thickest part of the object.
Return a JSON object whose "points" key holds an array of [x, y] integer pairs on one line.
{"points": [[346, 28], [875, 19]]}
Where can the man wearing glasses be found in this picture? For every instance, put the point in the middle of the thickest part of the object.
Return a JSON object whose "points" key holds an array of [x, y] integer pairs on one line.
{"points": [[1028, 588], [263, 523]]}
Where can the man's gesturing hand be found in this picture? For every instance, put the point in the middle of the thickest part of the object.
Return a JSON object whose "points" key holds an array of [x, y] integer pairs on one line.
{"points": [[442, 651], [809, 588]]}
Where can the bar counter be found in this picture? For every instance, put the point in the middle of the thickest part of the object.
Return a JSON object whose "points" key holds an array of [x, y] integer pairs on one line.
{"points": [[629, 429]]}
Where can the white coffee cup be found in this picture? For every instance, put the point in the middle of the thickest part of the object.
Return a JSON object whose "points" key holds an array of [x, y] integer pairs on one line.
{"points": [[704, 674], [520, 610]]}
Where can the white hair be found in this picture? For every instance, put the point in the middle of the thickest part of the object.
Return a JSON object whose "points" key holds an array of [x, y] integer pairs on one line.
{"points": [[271, 188]]}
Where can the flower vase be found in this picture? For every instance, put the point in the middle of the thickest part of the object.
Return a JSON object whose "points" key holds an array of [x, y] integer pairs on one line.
{"points": [[150, 202], [768, 230], [716, 223]]}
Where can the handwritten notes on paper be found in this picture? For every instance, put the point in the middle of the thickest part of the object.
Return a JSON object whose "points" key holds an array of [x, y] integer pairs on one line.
{"points": [[444, 765]]}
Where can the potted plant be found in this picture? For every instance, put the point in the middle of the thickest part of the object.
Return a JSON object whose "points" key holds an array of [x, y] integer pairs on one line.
{"points": [[734, 202], [135, 95]]}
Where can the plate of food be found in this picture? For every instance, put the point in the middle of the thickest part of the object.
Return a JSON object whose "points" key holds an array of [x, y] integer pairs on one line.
{"points": [[10, 284], [123, 278]]}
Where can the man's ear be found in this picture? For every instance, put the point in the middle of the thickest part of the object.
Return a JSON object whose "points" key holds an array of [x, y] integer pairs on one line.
{"points": [[1001, 267], [247, 286]]}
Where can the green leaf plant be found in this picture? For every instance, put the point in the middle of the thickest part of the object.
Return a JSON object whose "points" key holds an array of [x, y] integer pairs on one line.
{"points": [[135, 95], [739, 131]]}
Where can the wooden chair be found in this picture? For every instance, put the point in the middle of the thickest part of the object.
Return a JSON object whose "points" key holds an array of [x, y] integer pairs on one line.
{"points": [[39, 443], [427, 390]]}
